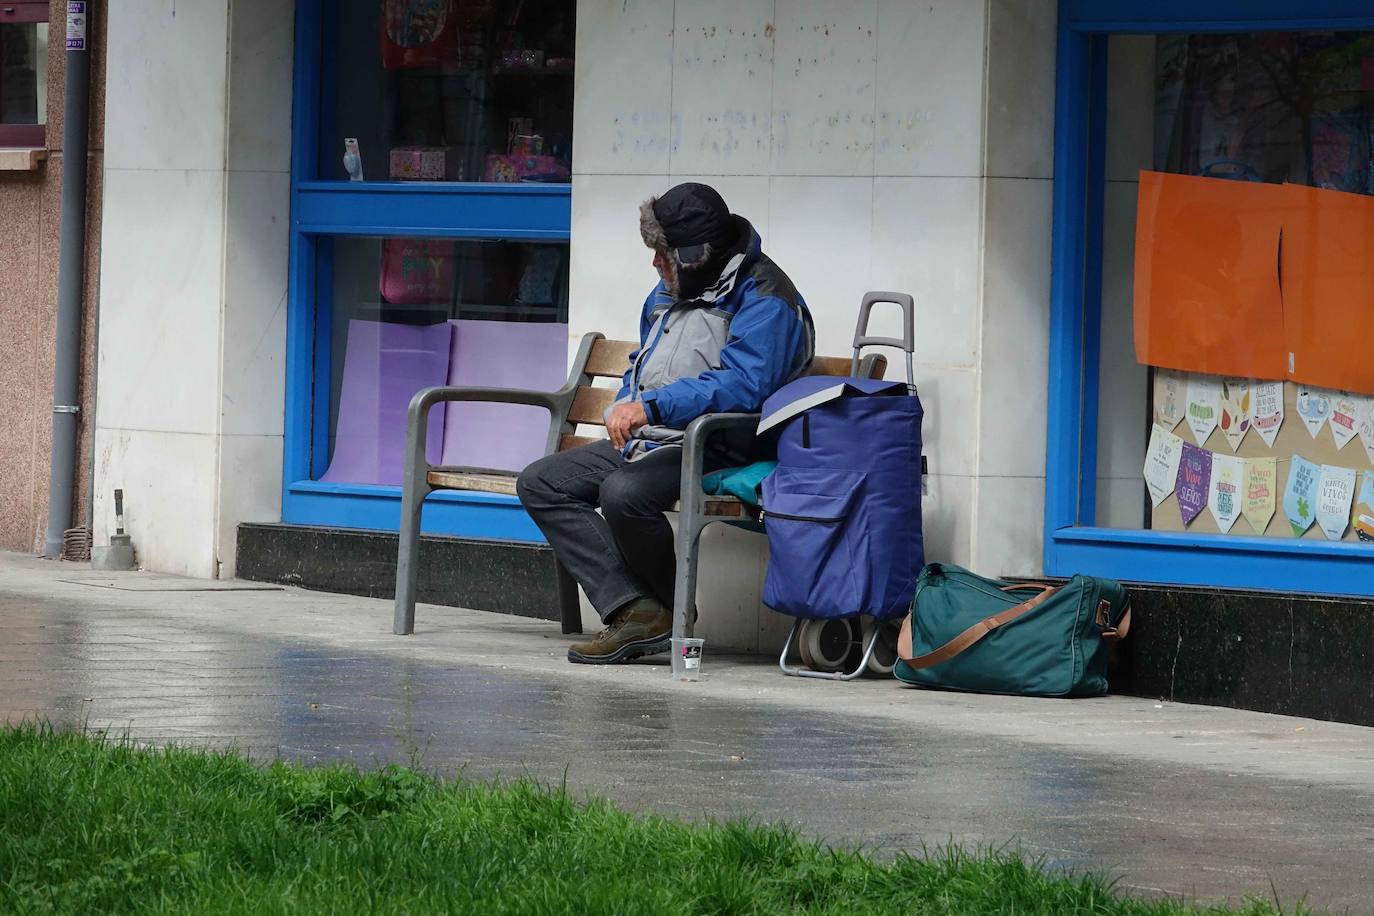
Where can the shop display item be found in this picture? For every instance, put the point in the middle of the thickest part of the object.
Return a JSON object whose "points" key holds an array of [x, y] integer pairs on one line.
{"points": [[1314, 407], [1365, 427], [1235, 410], [1261, 486], [1266, 410], [1300, 495], [1161, 463], [417, 271], [418, 33], [1344, 419], [1364, 508], [1224, 492], [425, 163], [1335, 492], [1170, 397], [502, 354], [1204, 406], [353, 159], [1194, 481], [384, 365], [510, 168]]}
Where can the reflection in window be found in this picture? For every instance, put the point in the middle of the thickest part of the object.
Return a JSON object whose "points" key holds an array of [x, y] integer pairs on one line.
{"points": [[23, 73], [1280, 106], [452, 90]]}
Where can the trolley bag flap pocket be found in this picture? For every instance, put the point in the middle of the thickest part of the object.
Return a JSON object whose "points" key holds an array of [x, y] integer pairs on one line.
{"points": [[811, 495], [808, 517]]}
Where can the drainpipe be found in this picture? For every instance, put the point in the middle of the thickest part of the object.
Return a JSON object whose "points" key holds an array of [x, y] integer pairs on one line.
{"points": [[70, 277]]}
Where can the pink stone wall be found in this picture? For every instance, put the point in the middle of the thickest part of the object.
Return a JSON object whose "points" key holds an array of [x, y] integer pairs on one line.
{"points": [[30, 207]]}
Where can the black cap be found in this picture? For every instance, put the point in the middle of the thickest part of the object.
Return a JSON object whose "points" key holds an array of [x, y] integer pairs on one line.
{"points": [[693, 215]]}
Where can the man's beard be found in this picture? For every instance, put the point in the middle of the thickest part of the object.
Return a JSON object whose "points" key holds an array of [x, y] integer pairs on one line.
{"points": [[673, 282]]}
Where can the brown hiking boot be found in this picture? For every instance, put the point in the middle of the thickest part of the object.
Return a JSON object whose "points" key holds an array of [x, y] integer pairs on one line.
{"points": [[644, 628]]}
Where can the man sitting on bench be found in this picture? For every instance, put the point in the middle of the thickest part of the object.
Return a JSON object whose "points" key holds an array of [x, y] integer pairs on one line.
{"points": [[721, 332]]}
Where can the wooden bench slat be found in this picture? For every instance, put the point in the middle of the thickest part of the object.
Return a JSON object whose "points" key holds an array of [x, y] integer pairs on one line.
{"points": [[482, 483], [610, 358], [568, 441], [839, 365], [589, 405]]}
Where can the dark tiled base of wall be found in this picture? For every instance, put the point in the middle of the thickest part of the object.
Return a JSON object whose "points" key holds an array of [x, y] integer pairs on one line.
{"points": [[501, 576], [1287, 654], [1293, 655]]}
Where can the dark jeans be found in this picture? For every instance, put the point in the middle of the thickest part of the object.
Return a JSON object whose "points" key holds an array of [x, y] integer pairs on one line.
{"points": [[624, 553]]}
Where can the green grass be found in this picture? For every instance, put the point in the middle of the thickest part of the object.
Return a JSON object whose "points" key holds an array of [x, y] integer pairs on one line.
{"points": [[89, 824]]}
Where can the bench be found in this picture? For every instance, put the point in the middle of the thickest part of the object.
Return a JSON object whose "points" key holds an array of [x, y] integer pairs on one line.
{"points": [[577, 404]]}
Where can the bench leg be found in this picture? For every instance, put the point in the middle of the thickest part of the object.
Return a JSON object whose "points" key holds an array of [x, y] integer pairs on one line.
{"points": [[569, 608], [690, 524], [408, 561]]}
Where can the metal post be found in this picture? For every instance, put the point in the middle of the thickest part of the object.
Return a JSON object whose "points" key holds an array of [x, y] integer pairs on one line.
{"points": [[70, 277]]}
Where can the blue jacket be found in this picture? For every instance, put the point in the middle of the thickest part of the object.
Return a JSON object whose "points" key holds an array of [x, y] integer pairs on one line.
{"points": [[727, 350]]}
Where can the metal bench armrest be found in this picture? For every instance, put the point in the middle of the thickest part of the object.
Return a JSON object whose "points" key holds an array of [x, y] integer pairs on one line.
{"points": [[694, 443]]}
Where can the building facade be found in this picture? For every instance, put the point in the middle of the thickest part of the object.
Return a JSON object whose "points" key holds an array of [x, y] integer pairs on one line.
{"points": [[272, 275], [32, 163]]}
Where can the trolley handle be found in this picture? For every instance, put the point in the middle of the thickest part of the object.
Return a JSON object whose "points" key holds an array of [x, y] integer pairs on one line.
{"points": [[906, 342]]}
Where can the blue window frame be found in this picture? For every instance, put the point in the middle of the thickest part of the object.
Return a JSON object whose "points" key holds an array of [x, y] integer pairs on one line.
{"points": [[323, 210], [1072, 543]]}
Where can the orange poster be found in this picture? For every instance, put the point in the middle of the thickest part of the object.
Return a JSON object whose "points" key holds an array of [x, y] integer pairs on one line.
{"points": [[1207, 295], [1327, 276]]}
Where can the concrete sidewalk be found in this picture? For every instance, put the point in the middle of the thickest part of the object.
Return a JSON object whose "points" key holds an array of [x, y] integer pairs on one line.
{"points": [[1202, 802]]}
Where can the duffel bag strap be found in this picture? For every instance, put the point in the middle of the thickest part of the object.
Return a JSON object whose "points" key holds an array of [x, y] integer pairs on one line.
{"points": [[970, 636], [1123, 626]]}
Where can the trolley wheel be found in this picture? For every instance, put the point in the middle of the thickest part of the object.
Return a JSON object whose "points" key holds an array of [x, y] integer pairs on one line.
{"points": [[828, 642], [804, 645], [884, 657]]}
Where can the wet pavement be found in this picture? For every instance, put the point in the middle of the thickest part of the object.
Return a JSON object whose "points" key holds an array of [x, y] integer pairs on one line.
{"points": [[1201, 802]]}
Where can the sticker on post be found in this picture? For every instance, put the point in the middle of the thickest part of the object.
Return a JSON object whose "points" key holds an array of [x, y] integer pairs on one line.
{"points": [[76, 25]]}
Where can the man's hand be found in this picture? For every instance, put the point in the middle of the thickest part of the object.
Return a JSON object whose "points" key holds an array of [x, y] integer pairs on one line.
{"points": [[624, 420]]}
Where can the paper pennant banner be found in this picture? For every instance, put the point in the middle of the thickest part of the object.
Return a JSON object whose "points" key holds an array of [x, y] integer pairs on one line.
{"points": [[1170, 394], [1235, 410], [1204, 406], [1261, 476], [1194, 477], [1223, 494], [1300, 496], [1366, 426], [1364, 508], [1315, 409], [1161, 463], [1266, 410], [1334, 494], [1344, 418]]}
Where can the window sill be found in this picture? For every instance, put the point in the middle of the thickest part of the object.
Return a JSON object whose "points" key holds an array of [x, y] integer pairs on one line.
{"points": [[21, 160]]}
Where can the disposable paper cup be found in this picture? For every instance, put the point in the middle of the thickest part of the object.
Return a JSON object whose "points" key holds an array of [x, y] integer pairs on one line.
{"points": [[687, 659]]}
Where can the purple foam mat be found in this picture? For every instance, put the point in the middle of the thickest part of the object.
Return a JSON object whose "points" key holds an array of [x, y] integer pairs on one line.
{"points": [[502, 354], [384, 365]]}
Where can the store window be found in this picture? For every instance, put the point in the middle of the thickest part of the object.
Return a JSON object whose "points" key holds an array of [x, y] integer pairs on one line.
{"points": [[431, 212], [23, 74], [1220, 181]]}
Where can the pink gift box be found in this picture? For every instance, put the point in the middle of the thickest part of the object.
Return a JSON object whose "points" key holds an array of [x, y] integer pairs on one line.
{"points": [[423, 163]]}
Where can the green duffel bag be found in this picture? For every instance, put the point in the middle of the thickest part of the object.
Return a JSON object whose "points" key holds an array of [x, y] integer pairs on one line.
{"points": [[965, 632]]}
